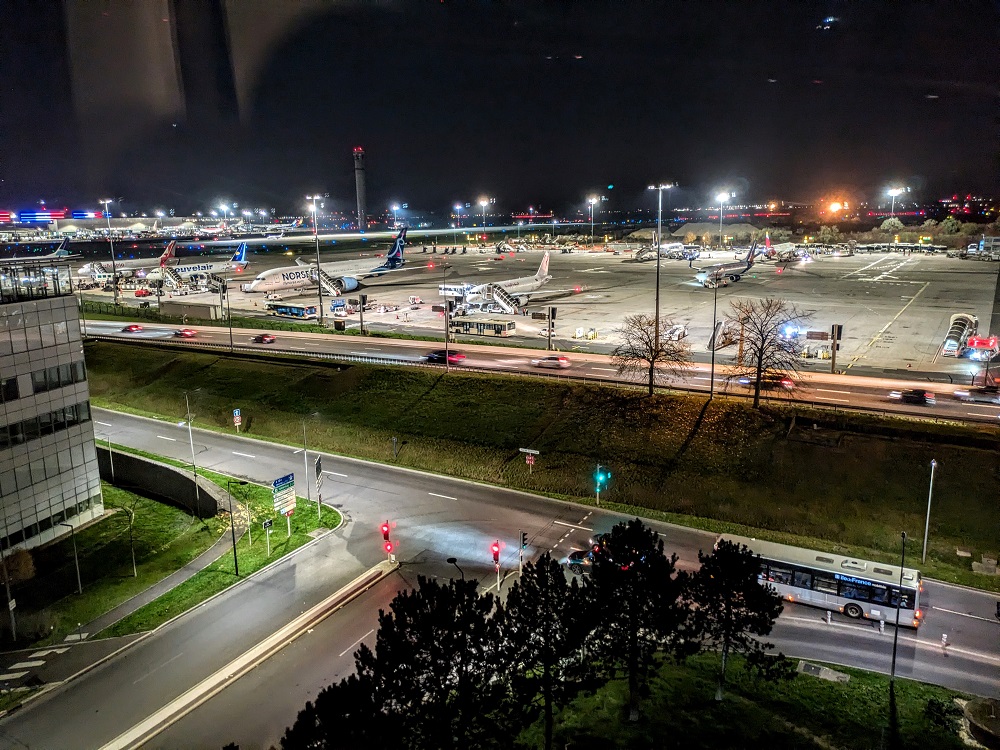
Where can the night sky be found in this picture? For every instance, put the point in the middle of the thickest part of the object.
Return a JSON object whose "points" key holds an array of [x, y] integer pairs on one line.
{"points": [[541, 103]]}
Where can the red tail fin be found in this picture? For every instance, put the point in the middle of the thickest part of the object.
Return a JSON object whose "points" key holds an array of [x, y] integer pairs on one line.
{"points": [[168, 253]]}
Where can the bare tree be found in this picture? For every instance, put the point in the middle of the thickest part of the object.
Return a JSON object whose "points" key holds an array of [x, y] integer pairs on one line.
{"points": [[641, 355], [764, 347]]}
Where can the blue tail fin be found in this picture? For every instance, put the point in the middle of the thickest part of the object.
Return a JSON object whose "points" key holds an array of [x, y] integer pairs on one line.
{"points": [[240, 256], [395, 257]]}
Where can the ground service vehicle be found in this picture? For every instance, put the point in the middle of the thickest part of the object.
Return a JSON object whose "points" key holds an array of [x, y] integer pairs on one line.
{"points": [[286, 310], [143, 293], [858, 588]]}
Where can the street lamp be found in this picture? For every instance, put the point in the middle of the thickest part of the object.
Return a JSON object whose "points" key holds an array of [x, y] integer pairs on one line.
{"points": [[111, 244], [454, 561], [895, 635], [232, 520], [305, 462], [521, 222], [927, 523], [194, 466], [225, 213], [76, 558], [591, 200], [319, 279], [395, 221]]}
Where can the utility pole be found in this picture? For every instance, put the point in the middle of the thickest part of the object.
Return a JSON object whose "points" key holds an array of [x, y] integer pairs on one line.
{"points": [[927, 522], [194, 465], [835, 342]]}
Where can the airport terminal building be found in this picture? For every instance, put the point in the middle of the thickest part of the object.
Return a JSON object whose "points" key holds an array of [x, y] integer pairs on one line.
{"points": [[48, 464]]}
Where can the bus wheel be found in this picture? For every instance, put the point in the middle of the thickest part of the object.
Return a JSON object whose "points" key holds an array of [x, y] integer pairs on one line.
{"points": [[854, 611]]}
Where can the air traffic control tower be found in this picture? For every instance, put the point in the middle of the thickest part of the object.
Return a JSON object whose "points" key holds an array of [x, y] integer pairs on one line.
{"points": [[359, 183]]}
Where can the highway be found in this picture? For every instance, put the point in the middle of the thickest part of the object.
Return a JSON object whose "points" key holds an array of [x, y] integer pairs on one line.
{"points": [[820, 389], [433, 518]]}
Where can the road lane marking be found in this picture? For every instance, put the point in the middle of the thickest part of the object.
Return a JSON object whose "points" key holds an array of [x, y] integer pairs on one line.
{"points": [[103, 424], [162, 437], [826, 390], [604, 369], [356, 642], [939, 609], [12, 676], [245, 455], [980, 414], [47, 651], [446, 497], [572, 526], [838, 400], [148, 672], [885, 328], [335, 473], [28, 664]]}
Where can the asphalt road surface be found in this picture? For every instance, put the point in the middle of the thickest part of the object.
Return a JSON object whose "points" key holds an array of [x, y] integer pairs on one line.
{"points": [[821, 389], [433, 518]]}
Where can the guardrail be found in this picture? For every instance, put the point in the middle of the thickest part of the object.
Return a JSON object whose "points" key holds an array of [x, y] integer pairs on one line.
{"points": [[560, 376]]}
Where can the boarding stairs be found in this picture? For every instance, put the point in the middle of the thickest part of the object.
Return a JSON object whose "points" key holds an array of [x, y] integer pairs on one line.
{"points": [[499, 296], [328, 283], [215, 282], [171, 277]]}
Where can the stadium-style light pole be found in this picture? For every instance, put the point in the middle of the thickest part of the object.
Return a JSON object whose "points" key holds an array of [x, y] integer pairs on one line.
{"points": [[319, 281], [484, 202], [722, 198], [894, 193], [111, 243], [592, 200], [395, 209], [225, 214], [659, 229]]}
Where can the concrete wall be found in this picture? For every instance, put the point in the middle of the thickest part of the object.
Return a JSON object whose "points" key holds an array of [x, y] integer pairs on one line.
{"points": [[162, 482]]}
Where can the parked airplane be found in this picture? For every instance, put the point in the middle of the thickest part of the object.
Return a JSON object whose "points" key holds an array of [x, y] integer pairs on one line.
{"points": [[725, 272], [133, 267], [205, 267], [337, 277], [505, 295], [276, 228], [61, 253]]}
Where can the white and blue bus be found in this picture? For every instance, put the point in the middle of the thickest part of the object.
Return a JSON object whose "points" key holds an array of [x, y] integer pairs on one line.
{"points": [[857, 588], [286, 310]]}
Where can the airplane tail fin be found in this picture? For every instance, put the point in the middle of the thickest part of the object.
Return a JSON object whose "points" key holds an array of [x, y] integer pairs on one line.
{"points": [[543, 267], [240, 256], [63, 246], [752, 252], [168, 253], [395, 257]]}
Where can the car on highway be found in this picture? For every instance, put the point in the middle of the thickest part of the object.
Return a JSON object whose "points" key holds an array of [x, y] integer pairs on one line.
{"points": [[143, 293], [768, 381], [440, 356], [559, 363], [186, 333], [263, 338], [914, 396], [134, 328], [580, 561], [988, 394]]}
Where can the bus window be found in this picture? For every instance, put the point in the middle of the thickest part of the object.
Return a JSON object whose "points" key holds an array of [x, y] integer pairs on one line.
{"points": [[825, 582], [803, 579], [780, 574]]}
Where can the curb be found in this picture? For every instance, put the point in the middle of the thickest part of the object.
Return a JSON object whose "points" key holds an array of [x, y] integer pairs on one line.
{"points": [[241, 665]]}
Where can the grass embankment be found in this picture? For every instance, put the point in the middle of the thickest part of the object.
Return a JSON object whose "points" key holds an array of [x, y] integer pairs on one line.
{"points": [[166, 538], [251, 552], [717, 465], [805, 712]]}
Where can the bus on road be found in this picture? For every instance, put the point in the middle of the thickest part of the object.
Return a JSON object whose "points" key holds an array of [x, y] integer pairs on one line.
{"points": [[286, 310], [857, 588]]}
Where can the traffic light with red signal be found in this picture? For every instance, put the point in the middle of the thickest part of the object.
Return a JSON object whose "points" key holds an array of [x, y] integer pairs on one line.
{"points": [[388, 547], [495, 548], [385, 531]]}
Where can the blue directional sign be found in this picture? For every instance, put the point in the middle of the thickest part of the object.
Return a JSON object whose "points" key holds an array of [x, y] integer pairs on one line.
{"points": [[283, 492]]}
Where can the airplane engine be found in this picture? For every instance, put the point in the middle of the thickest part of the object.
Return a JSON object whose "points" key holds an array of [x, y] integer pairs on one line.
{"points": [[346, 284], [522, 301]]}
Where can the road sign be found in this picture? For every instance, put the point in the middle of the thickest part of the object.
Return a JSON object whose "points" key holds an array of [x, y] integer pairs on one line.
{"points": [[530, 451], [237, 419], [268, 523], [530, 460], [283, 492], [236, 412]]}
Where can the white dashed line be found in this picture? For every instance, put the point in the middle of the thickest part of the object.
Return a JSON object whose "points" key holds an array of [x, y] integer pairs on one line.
{"points": [[824, 390], [939, 609], [446, 497], [245, 455], [838, 400], [572, 526], [172, 440], [357, 642], [103, 424]]}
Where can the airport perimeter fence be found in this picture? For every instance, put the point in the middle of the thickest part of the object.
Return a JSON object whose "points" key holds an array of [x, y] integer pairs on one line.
{"points": [[628, 385]]}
